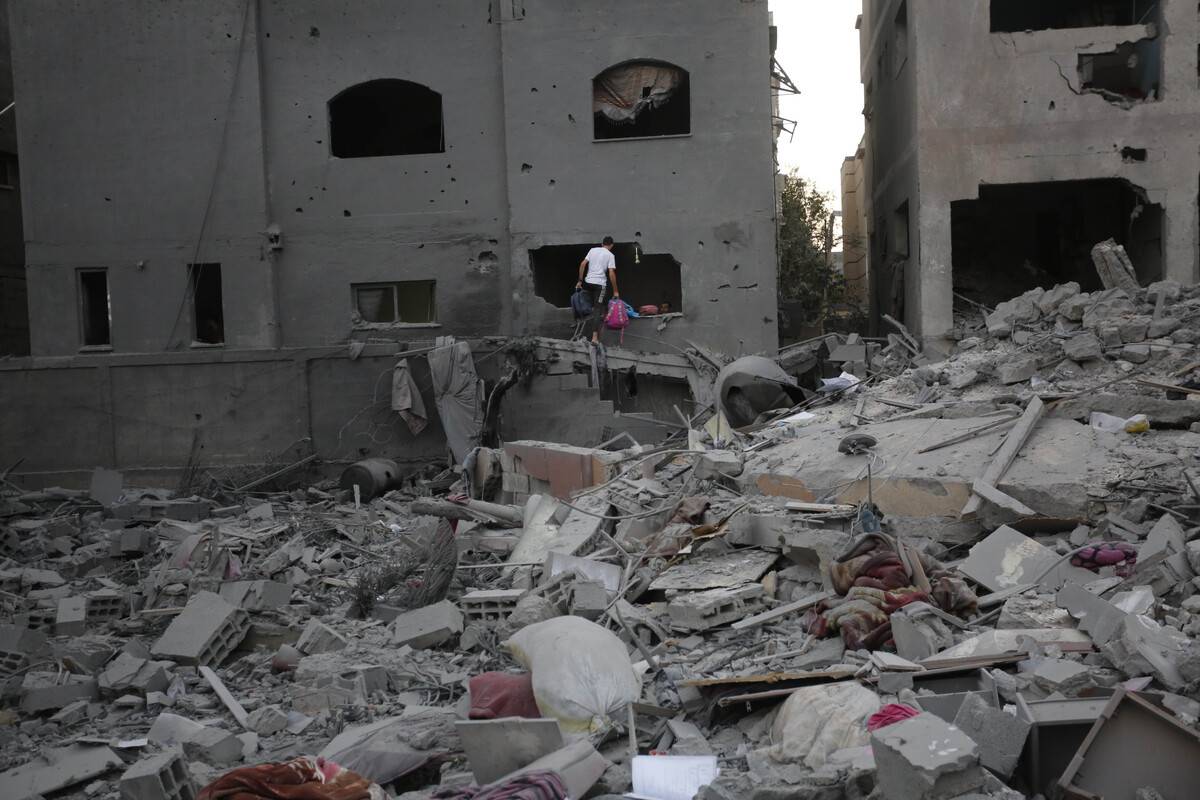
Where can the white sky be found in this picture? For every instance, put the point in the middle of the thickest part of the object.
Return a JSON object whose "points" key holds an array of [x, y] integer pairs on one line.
{"points": [[818, 46]]}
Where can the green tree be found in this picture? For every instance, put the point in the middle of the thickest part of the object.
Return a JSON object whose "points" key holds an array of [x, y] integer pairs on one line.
{"points": [[806, 276]]}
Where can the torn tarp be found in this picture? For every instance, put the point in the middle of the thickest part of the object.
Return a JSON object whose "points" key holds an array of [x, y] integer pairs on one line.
{"points": [[456, 391], [622, 93], [406, 398]]}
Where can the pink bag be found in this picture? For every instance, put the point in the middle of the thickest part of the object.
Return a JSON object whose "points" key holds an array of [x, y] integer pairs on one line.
{"points": [[617, 318], [648, 311]]}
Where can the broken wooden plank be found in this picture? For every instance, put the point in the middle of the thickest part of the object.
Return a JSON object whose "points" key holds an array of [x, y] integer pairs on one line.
{"points": [[784, 610], [1008, 452], [227, 698]]}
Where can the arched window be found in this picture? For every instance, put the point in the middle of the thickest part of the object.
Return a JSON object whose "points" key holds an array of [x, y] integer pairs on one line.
{"points": [[386, 117], [641, 98]]}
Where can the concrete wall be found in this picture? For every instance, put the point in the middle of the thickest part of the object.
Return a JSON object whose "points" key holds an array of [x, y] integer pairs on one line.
{"points": [[855, 216], [131, 109], [14, 314], [155, 135], [1006, 108]]}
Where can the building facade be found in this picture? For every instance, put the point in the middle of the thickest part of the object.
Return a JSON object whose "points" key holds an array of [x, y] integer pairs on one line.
{"points": [[225, 198], [1005, 138], [265, 174]]}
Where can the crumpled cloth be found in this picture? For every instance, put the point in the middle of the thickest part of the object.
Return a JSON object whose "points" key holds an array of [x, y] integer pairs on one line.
{"points": [[1120, 555], [873, 582], [530, 786], [890, 715], [302, 778], [495, 695], [406, 398]]}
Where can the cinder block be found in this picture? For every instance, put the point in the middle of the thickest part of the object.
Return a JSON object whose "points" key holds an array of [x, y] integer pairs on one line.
{"points": [[320, 638], [104, 605], [588, 599], [489, 605], [427, 627], [699, 611], [161, 777], [71, 619], [204, 633], [925, 758]]}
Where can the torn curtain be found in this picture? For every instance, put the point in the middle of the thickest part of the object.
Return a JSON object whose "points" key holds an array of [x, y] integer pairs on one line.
{"points": [[457, 393], [406, 398], [622, 93]]}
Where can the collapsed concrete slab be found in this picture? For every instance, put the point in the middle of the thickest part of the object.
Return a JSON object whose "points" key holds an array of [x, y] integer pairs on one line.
{"points": [[205, 632], [427, 627]]}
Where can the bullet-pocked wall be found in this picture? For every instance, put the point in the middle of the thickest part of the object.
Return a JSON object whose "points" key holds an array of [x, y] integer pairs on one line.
{"points": [[380, 170], [705, 196], [1039, 96]]}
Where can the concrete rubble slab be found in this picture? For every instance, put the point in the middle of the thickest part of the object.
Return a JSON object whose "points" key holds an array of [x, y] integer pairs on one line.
{"points": [[58, 769], [497, 747], [925, 758], [1007, 559], [718, 572], [999, 735], [427, 627]]}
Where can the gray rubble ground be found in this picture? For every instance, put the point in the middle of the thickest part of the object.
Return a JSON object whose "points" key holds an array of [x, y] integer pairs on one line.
{"points": [[150, 643]]}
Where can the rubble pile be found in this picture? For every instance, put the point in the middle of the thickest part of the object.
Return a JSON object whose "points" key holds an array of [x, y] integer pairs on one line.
{"points": [[966, 576]]}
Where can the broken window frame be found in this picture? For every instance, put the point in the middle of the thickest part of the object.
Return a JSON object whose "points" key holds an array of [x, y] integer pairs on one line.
{"points": [[87, 338], [678, 100], [397, 288], [197, 273], [1142, 12], [339, 148]]}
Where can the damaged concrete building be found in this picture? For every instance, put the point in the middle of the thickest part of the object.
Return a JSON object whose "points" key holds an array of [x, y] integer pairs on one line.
{"points": [[1005, 138], [220, 197]]}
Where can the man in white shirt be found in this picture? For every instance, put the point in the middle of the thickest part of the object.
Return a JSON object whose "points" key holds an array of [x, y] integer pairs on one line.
{"points": [[596, 271]]}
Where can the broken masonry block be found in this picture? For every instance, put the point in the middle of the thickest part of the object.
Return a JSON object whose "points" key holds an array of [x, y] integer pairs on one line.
{"points": [[104, 605], [267, 720], [1114, 267], [1016, 369], [204, 633], [57, 768], [43, 691], [489, 605], [127, 673], [427, 627], [1083, 347], [320, 638], [999, 735], [71, 618], [700, 611], [925, 758], [161, 777], [256, 595], [588, 599], [213, 746]]}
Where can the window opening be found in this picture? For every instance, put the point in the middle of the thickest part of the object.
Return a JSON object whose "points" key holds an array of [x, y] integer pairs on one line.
{"points": [[95, 313], [402, 302], [386, 117], [1016, 237], [645, 279], [208, 312], [641, 98], [1127, 75], [900, 230], [1016, 16]]}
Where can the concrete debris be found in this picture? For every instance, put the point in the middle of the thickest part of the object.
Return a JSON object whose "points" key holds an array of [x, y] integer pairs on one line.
{"points": [[887, 528]]}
